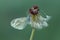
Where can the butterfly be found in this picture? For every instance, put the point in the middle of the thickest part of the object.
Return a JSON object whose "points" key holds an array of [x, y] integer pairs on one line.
{"points": [[34, 18]]}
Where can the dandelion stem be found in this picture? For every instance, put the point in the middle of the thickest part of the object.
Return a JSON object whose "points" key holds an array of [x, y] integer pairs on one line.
{"points": [[32, 34]]}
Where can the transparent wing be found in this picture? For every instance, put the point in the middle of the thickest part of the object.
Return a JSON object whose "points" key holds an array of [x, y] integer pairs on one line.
{"points": [[45, 16], [19, 23]]}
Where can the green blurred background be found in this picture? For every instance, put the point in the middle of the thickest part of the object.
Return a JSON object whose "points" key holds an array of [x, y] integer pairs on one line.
{"points": [[10, 9]]}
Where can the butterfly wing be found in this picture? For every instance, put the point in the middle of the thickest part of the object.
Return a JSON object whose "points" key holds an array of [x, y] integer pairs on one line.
{"points": [[40, 23], [19, 23]]}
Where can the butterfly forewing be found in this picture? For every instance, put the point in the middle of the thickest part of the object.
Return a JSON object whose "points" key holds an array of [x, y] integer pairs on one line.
{"points": [[19, 23]]}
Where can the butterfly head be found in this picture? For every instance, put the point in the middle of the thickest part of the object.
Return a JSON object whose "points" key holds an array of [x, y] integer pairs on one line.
{"points": [[34, 10]]}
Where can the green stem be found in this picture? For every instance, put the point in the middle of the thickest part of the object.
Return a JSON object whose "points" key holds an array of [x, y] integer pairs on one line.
{"points": [[32, 34]]}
